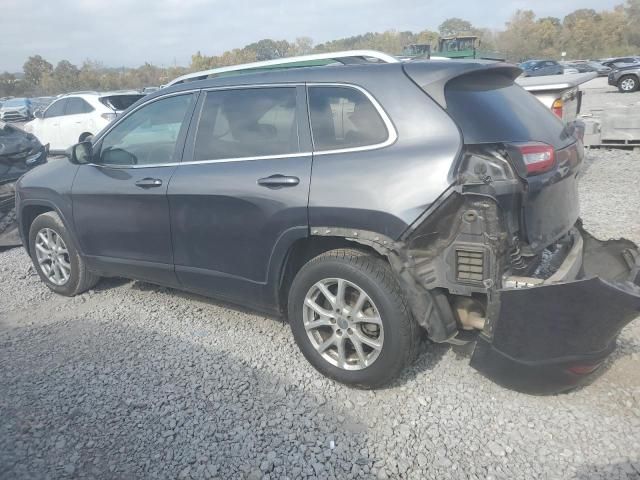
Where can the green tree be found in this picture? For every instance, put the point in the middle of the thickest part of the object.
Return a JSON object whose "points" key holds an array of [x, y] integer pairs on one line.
{"points": [[455, 26], [632, 23], [34, 69], [9, 84]]}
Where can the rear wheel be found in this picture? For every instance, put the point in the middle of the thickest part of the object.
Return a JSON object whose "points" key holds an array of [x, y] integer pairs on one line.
{"points": [[628, 84], [350, 319], [56, 258]]}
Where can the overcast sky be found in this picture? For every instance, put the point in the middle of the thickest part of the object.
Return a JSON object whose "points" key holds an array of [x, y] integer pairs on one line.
{"points": [[164, 32]]}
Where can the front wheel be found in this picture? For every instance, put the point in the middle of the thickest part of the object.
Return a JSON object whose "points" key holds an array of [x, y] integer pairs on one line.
{"points": [[56, 258], [628, 84], [350, 319]]}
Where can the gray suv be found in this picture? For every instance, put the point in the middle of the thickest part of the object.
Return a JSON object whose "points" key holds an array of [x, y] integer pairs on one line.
{"points": [[371, 205], [627, 78]]}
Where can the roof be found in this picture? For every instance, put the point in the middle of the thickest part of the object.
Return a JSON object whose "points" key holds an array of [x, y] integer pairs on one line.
{"points": [[320, 59], [430, 75]]}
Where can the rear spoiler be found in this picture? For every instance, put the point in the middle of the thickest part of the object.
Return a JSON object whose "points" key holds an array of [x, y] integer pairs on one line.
{"points": [[432, 77]]}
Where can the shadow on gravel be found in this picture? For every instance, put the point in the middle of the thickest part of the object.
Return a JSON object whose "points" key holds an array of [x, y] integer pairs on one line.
{"points": [[429, 353], [629, 470], [103, 399]]}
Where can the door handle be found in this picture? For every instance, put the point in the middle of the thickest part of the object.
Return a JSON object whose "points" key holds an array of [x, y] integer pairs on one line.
{"points": [[149, 182], [278, 181]]}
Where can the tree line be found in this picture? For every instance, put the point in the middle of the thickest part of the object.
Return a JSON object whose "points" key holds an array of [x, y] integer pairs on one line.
{"points": [[582, 34]]}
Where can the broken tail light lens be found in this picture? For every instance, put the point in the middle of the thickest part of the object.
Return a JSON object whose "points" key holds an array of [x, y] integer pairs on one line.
{"points": [[558, 108], [108, 116], [537, 157], [484, 166]]}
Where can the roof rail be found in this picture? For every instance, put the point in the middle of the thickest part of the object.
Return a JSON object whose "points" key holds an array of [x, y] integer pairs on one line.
{"points": [[345, 57]]}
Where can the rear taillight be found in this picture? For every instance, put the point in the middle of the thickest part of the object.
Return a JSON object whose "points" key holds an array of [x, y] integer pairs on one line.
{"points": [[537, 157], [558, 108], [108, 116]]}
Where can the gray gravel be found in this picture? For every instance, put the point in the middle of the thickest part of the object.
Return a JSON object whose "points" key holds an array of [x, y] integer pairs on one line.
{"points": [[598, 95], [134, 381]]}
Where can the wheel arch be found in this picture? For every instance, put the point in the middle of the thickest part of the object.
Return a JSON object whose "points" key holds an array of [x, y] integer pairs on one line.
{"points": [[303, 250], [29, 211], [431, 309]]}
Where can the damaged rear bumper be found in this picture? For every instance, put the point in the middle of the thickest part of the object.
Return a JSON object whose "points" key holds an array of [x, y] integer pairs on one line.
{"points": [[547, 336]]}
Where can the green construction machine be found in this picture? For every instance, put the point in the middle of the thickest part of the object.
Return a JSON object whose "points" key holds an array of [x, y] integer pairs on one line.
{"points": [[457, 46]]}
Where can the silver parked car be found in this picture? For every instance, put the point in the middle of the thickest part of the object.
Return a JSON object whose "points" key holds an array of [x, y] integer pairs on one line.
{"points": [[16, 109]]}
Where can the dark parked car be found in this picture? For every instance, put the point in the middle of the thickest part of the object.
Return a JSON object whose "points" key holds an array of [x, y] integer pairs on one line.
{"points": [[585, 67], [16, 109], [539, 68], [367, 203], [627, 79], [620, 61], [19, 152]]}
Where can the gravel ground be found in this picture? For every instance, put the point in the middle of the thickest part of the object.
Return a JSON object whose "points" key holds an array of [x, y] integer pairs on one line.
{"points": [[598, 94], [134, 381]]}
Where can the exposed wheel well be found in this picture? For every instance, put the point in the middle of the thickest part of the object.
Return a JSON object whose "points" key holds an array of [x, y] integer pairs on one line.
{"points": [[304, 250], [27, 216]]}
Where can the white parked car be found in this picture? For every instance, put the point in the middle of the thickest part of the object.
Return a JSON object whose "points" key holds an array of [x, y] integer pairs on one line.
{"points": [[75, 117]]}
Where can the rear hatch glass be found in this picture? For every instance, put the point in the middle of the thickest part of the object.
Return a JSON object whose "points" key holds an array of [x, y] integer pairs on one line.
{"points": [[121, 101], [489, 108]]}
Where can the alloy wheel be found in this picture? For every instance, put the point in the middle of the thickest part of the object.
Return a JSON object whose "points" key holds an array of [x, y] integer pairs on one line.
{"points": [[343, 324], [628, 84], [53, 256]]}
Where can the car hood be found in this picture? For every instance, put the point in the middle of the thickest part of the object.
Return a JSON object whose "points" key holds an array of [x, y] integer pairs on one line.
{"points": [[13, 109], [14, 141], [627, 66]]}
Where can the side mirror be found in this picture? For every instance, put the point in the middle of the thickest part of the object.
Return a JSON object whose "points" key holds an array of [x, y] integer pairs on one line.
{"points": [[80, 153], [38, 114]]}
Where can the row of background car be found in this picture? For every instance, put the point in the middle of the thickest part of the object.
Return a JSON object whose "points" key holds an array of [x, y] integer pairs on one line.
{"points": [[536, 68], [20, 109], [62, 121]]}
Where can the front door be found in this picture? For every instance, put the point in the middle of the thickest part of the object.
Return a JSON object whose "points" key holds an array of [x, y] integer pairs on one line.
{"points": [[239, 199], [47, 128], [120, 206]]}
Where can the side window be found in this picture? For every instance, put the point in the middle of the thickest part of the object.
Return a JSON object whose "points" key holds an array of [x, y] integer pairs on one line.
{"points": [[149, 135], [343, 117], [56, 109], [249, 122], [76, 105]]}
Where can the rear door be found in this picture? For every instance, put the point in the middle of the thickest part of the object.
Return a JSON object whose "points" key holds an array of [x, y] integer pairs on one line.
{"points": [[75, 121], [239, 199], [120, 206]]}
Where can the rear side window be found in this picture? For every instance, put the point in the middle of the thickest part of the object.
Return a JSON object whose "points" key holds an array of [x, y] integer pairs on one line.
{"points": [[343, 117], [56, 109], [249, 122], [490, 108], [76, 105]]}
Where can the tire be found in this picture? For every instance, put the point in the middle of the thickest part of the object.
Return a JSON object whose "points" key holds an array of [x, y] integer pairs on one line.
{"points": [[79, 278], [628, 84], [398, 337]]}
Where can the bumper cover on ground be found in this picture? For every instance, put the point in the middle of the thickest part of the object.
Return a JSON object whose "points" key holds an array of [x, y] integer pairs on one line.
{"points": [[549, 338]]}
